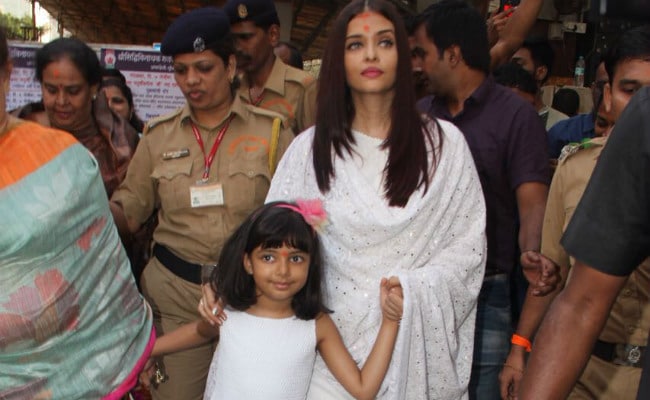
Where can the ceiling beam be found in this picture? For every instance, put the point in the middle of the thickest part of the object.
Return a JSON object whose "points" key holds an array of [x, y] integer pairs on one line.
{"points": [[332, 10], [160, 7], [296, 11]]}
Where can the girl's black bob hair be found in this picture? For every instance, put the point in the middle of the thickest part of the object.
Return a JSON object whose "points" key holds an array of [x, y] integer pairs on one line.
{"points": [[269, 226]]}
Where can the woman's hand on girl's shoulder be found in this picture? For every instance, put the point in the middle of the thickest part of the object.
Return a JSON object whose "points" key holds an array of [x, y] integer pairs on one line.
{"points": [[391, 298], [211, 308]]}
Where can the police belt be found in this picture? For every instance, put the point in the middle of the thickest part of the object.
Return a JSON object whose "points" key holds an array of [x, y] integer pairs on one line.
{"points": [[179, 267], [620, 353]]}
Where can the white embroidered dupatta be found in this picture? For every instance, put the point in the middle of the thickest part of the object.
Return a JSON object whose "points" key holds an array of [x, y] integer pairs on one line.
{"points": [[436, 246]]}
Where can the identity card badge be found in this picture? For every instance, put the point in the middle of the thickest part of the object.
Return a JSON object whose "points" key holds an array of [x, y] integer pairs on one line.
{"points": [[203, 195]]}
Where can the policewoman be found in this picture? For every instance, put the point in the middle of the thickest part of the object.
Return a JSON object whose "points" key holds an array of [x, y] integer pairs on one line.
{"points": [[203, 169]]}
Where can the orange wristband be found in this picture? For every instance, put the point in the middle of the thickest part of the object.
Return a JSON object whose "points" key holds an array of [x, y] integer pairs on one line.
{"points": [[521, 341]]}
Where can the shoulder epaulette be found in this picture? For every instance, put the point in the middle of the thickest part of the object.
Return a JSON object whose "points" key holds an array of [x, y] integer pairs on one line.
{"points": [[573, 148], [266, 113], [162, 118], [299, 76]]}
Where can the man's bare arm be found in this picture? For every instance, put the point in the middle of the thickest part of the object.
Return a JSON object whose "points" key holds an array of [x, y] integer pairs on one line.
{"points": [[563, 344], [515, 31]]}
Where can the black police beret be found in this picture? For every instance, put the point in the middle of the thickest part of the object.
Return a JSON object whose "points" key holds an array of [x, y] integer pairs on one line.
{"points": [[261, 12], [195, 31]]}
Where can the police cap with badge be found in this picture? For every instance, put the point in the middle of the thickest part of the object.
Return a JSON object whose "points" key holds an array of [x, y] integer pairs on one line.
{"points": [[261, 12], [195, 31]]}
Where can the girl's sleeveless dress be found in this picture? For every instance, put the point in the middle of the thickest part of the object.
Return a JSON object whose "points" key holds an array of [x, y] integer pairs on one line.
{"points": [[262, 358]]}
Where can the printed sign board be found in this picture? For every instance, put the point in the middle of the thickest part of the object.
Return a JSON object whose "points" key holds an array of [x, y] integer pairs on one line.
{"points": [[148, 73]]}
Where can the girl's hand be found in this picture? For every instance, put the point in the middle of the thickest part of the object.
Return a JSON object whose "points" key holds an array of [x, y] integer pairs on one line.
{"points": [[391, 298], [210, 308]]}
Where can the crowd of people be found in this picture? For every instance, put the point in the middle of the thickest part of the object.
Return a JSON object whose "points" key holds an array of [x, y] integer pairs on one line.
{"points": [[409, 225]]}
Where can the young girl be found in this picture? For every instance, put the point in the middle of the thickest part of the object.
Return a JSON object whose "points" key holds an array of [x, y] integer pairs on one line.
{"points": [[269, 280]]}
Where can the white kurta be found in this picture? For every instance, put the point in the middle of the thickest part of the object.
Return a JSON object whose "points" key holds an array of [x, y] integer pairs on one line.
{"points": [[436, 246]]}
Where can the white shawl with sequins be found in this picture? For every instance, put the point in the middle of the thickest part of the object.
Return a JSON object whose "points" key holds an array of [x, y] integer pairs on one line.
{"points": [[436, 246]]}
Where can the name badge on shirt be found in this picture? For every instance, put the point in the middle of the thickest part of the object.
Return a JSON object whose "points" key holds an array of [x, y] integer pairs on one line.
{"points": [[171, 155], [206, 195]]}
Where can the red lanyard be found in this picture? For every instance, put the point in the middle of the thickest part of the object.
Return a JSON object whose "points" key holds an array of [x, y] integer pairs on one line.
{"points": [[208, 160]]}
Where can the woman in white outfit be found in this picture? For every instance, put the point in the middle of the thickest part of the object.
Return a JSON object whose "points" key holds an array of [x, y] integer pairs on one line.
{"points": [[403, 199]]}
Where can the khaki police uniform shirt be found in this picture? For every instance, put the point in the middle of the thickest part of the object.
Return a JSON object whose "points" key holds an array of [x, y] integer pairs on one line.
{"points": [[289, 92], [629, 319], [157, 181]]}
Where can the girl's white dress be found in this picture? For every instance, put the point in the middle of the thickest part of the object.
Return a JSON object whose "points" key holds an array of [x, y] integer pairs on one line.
{"points": [[262, 358], [436, 246]]}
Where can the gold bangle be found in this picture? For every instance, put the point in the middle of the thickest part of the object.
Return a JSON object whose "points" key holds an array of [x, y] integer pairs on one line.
{"points": [[521, 371]]}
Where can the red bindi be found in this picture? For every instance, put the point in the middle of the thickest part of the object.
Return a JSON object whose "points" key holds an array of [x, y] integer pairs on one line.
{"points": [[284, 253], [56, 73]]}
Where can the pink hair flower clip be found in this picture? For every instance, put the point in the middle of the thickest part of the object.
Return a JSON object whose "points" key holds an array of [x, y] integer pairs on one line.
{"points": [[312, 211]]}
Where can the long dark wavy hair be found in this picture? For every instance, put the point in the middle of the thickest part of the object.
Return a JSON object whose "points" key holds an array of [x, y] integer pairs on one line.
{"points": [[269, 226], [409, 142]]}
